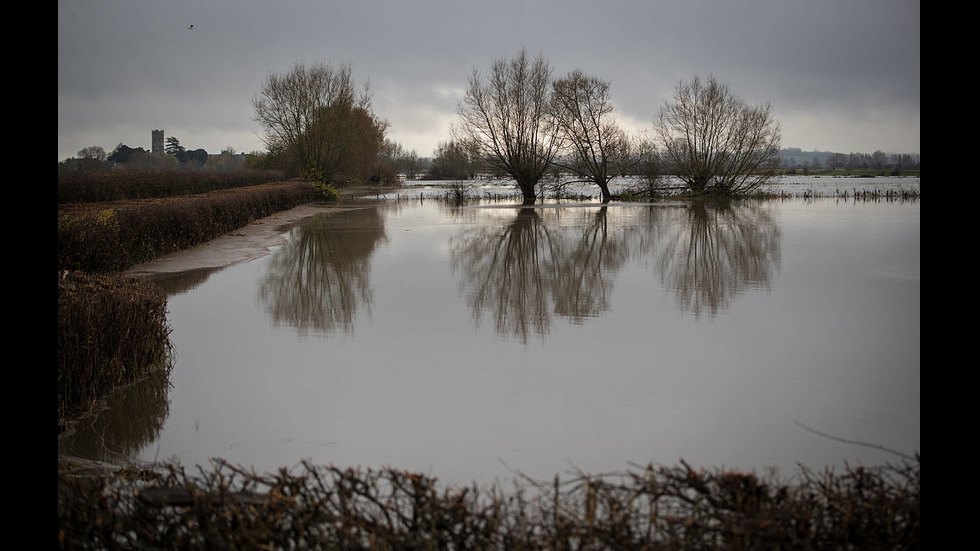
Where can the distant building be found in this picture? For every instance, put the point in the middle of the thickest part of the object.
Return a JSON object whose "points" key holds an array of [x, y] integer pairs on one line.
{"points": [[156, 142]]}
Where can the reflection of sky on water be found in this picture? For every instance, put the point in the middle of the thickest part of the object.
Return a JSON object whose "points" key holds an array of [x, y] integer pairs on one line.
{"points": [[417, 381]]}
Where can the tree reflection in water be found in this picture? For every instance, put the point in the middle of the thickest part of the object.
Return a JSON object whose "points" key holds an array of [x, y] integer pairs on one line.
{"points": [[533, 267], [711, 252], [542, 262], [563, 262], [321, 277]]}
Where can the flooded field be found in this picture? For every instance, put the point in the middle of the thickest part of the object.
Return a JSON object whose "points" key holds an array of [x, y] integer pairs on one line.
{"points": [[474, 342]]}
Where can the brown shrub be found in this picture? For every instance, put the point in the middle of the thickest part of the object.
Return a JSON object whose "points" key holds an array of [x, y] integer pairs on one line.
{"points": [[116, 185], [109, 237], [112, 330], [653, 508]]}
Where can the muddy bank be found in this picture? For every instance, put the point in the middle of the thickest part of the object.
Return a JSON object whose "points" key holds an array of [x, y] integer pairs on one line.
{"points": [[244, 244]]}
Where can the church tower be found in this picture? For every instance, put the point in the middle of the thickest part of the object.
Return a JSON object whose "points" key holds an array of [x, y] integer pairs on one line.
{"points": [[156, 142]]}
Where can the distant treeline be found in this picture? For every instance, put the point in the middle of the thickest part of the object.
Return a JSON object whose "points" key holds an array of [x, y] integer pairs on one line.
{"points": [[795, 158]]}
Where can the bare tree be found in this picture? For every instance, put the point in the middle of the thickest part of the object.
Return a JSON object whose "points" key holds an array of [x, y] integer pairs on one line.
{"points": [[715, 142], [411, 164], [599, 146], [316, 115], [454, 160], [508, 117]]}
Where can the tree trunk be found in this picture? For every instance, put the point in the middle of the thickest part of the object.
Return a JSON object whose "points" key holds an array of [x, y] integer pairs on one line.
{"points": [[528, 190], [606, 196]]}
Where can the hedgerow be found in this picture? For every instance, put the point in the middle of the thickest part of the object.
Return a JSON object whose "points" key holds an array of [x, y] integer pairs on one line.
{"points": [[330, 507], [109, 237]]}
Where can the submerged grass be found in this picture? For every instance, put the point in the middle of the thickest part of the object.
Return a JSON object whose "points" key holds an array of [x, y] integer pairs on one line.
{"points": [[863, 195]]}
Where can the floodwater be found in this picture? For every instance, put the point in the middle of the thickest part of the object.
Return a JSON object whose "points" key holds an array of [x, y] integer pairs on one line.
{"points": [[474, 343]]}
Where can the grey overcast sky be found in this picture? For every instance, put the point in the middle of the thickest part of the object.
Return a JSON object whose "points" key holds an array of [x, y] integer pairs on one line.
{"points": [[841, 75]]}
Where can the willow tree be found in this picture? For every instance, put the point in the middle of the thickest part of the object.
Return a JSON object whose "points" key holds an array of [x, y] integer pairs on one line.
{"points": [[316, 114], [599, 146], [508, 118], [715, 142]]}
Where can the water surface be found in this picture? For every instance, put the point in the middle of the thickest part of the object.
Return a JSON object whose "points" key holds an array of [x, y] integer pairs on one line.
{"points": [[471, 343]]}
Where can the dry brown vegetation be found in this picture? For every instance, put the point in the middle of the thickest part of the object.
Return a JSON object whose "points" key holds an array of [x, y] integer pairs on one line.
{"points": [[653, 508], [111, 236], [118, 185], [112, 331]]}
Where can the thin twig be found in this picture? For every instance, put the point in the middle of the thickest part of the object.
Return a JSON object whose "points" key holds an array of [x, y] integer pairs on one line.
{"points": [[855, 442]]}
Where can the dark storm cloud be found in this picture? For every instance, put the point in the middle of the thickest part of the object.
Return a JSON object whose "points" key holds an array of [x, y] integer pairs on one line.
{"points": [[841, 75]]}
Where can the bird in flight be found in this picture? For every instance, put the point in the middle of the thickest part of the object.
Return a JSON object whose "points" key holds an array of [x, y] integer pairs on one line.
{"points": [[191, 28]]}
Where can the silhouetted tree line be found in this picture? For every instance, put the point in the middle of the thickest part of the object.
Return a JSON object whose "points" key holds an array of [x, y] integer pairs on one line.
{"points": [[176, 157], [795, 158], [181, 153]]}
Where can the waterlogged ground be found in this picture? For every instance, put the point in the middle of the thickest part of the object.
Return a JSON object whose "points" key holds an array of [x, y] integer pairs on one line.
{"points": [[801, 186], [472, 343]]}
